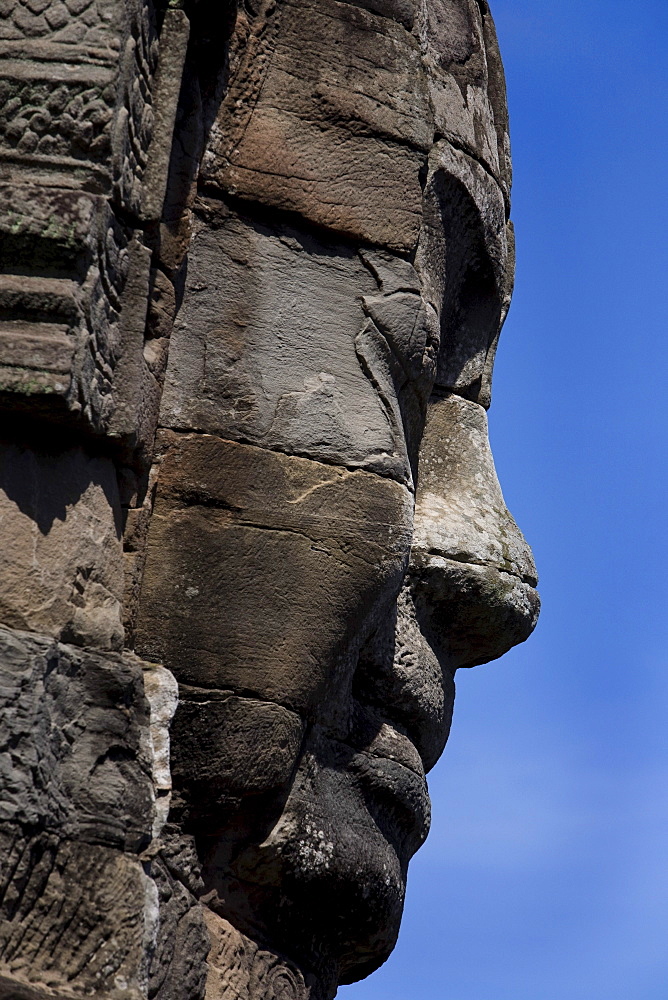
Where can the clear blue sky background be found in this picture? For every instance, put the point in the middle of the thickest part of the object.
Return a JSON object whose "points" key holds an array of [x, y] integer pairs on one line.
{"points": [[545, 876]]}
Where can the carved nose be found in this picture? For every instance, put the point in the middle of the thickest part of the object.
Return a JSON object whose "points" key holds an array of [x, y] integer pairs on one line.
{"points": [[472, 573]]}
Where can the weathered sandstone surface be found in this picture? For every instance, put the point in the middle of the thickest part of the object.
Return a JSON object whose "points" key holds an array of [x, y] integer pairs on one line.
{"points": [[255, 258]]}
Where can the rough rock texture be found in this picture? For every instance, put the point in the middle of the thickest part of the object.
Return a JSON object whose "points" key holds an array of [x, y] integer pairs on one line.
{"points": [[340, 120], [239, 968], [78, 909], [255, 256], [82, 85], [62, 571], [254, 296]]}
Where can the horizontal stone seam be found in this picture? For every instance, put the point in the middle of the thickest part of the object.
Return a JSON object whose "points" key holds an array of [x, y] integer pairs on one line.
{"points": [[290, 454], [367, 131], [247, 693], [244, 522], [462, 147], [77, 833], [268, 215], [531, 581], [370, 29], [243, 693], [276, 173], [316, 545], [117, 655], [59, 836], [443, 392]]}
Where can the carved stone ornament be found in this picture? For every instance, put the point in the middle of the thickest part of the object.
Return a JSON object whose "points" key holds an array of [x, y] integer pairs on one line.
{"points": [[255, 256]]}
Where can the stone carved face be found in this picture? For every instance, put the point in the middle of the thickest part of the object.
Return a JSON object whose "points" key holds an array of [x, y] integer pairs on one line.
{"points": [[328, 541]]}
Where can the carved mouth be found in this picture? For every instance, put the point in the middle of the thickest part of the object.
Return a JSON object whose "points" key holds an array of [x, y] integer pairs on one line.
{"points": [[347, 804], [396, 798]]}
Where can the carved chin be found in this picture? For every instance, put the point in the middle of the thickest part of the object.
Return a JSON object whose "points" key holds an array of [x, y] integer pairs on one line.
{"points": [[333, 869]]}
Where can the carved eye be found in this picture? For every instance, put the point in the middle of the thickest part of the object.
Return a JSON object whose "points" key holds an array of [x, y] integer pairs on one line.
{"points": [[467, 232], [451, 32]]}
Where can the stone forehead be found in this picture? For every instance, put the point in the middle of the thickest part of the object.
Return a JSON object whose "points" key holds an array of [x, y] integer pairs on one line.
{"points": [[332, 108]]}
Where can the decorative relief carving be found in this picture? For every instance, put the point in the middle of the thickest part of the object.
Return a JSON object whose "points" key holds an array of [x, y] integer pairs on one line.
{"points": [[239, 969], [76, 117], [66, 22], [49, 118]]}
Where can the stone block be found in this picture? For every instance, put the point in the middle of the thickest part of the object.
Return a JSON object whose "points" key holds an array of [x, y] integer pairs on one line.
{"points": [[84, 769], [227, 747], [271, 347], [79, 92], [62, 571], [75, 752], [72, 327], [72, 919], [327, 115], [328, 549]]}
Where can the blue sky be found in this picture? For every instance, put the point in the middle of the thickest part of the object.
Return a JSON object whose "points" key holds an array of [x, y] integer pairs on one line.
{"points": [[545, 876]]}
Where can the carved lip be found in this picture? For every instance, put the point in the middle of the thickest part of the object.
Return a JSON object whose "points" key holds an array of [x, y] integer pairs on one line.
{"points": [[384, 741], [390, 775]]}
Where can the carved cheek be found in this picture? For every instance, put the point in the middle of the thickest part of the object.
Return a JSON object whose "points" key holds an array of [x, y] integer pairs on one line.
{"points": [[262, 568]]}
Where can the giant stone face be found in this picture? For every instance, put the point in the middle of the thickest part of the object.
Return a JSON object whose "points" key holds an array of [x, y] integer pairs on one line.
{"points": [[256, 261]]}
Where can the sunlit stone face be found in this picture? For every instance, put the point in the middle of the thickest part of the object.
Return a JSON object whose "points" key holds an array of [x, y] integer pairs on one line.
{"points": [[311, 295], [349, 268]]}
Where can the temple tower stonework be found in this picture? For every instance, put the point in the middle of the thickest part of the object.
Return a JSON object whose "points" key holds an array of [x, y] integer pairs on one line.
{"points": [[255, 256]]}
